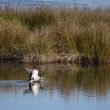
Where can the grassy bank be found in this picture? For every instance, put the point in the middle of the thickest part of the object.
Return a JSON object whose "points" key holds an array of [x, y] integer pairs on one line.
{"points": [[55, 32]]}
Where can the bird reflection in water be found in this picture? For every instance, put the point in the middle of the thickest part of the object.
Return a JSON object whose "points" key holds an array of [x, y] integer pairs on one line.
{"points": [[34, 88]]}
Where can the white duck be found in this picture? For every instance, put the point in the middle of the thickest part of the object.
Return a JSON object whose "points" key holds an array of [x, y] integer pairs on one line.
{"points": [[33, 75]]}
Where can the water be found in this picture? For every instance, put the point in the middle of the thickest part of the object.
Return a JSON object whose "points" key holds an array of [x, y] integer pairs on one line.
{"points": [[81, 3], [67, 87]]}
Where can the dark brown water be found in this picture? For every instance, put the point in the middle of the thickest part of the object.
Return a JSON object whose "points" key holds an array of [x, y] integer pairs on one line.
{"points": [[67, 87]]}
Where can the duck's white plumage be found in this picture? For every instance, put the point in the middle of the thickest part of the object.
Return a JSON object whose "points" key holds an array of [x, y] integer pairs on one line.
{"points": [[34, 75]]}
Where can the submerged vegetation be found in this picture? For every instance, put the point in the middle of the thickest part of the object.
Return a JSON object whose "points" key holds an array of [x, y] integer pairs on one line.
{"points": [[48, 31]]}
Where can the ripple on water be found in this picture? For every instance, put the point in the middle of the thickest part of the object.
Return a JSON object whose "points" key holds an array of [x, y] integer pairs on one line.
{"points": [[10, 86]]}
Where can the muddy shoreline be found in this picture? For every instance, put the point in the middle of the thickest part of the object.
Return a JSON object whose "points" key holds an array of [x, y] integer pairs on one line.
{"points": [[80, 60]]}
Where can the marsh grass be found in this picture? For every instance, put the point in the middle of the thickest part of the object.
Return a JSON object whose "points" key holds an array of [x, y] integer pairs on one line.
{"points": [[41, 17], [93, 40], [59, 30], [12, 36], [64, 36], [33, 18], [40, 42]]}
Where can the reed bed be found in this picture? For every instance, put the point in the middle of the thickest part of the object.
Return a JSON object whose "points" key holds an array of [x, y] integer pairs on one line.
{"points": [[39, 42], [12, 36], [56, 30]]}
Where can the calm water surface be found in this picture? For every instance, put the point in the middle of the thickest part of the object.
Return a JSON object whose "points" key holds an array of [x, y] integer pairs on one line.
{"points": [[67, 88], [88, 3]]}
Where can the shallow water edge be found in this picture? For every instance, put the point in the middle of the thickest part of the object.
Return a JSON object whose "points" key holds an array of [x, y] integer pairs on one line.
{"points": [[79, 60]]}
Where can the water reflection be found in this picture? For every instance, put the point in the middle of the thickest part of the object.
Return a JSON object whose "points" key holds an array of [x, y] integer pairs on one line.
{"points": [[34, 88], [9, 71], [66, 80], [12, 86], [92, 82]]}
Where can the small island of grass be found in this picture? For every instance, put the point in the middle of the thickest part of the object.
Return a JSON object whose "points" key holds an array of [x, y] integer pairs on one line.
{"points": [[50, 35]]}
